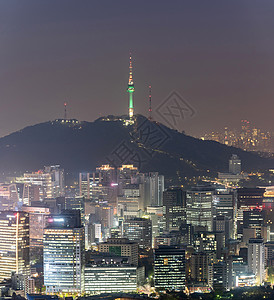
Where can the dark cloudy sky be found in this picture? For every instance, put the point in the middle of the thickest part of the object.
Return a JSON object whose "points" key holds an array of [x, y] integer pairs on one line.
{"points": [[219, 55]]}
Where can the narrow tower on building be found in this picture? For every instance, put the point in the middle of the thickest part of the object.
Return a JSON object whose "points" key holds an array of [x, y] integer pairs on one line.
{"points": [[130, 90], [150, 108]]}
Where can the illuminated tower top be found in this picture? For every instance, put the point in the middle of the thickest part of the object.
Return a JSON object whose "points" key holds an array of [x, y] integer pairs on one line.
{"points": [[130, 89]]}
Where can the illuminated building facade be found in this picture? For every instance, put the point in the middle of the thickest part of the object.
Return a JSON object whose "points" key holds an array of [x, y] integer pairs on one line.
{"points": [[174, 208], [139, 230], [105, 273], [256, 259], [14, 244], [205, 241], [199, 263], [219, 276], [9, 192], [248, 199], [37, 222], [57, 179], [224, 204], [169, 268], [199, 204], [99, 185], [64, 245], [121, 247], [151, 189], [39, 179]]}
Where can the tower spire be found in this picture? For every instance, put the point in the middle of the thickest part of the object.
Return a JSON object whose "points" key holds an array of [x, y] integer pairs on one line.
{"points": [[130, 89], [65, 110], [150, 108]]}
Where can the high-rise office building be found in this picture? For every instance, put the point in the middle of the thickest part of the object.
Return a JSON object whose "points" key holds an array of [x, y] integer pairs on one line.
{"points": [[248, 199], [99, 185], [235, 165], [224, 204], [254, 219], [128, 203], [155, 214], [174, 207], [40, 179], [139, 230], [151, 189], [57, 179], [200, 206], [64, 246], [225, 225], [199, 263], [219, 276], [37, 222], [256, 259], [14, 244], [169, 268]]}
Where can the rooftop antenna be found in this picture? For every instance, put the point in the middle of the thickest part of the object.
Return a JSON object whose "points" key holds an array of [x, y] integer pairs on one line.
{"points": [[65, 110], [149, 109]]}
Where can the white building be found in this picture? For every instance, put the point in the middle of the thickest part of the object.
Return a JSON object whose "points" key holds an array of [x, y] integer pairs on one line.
{"points": [[256, 259]]}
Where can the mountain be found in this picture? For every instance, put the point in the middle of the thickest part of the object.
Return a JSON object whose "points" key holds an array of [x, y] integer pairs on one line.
{"points": [[81, 146]]}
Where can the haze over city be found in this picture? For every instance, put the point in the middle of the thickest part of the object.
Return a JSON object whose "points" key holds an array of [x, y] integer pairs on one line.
{"points": [[136, 150], [217, 55]]}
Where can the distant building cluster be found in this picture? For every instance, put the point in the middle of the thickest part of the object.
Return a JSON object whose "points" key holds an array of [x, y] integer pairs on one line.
{"points": [[117, 229], [248, 138]]}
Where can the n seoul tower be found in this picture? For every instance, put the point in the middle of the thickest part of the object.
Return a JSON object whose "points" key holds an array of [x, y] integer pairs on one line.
{"points": [[130, 89]]}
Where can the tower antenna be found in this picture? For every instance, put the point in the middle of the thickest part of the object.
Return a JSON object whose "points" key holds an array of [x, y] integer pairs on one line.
{"points": [[150, 108], [65, 110], [130, 89]]}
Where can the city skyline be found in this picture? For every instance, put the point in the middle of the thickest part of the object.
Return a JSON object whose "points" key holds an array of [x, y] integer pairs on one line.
{"points": [[136, 150], [219, 60]]}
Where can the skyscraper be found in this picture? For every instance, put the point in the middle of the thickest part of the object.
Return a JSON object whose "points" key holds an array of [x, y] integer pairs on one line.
{"points": [[58, 180], [14, 243], [174, 203], [64, 253], [169, 268], [139, 231], [256, 259], [41, 180], [200, 206], [151, 189], [248, 199], [37, 223]]}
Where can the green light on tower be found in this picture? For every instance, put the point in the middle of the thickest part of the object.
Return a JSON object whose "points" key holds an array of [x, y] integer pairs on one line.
{"points": [[130, 89]]}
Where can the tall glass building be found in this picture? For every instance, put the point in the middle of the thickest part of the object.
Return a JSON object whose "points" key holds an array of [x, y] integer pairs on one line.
{"points": [[169, 268], [199, 205], [14, 243], [64, 253]]}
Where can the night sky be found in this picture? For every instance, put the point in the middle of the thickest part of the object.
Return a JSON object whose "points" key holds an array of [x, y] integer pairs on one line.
{"points": [[219, 55]]}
